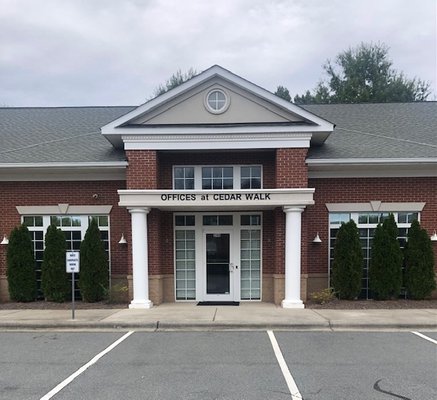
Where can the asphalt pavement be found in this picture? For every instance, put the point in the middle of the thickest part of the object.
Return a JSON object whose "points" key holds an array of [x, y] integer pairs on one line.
{"points": [[188, 316]]}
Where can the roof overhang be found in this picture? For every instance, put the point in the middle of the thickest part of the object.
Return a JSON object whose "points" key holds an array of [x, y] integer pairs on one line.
{"points": [[368, 168]]}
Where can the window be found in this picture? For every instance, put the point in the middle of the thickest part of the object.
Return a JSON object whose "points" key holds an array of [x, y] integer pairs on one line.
{"points": [[183, 178], [251, 177], [217, 177], [366, 223], [74, 228], [216, 101]]}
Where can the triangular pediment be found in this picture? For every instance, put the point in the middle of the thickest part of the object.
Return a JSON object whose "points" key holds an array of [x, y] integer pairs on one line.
{"points": [[215, 98]]}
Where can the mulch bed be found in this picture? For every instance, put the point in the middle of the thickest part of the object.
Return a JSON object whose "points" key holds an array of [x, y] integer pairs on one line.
{"points": [[48, 305], [373, 304]]}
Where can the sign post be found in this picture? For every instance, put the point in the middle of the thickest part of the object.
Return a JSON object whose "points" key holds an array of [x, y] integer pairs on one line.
{"points": [[72, 262]]}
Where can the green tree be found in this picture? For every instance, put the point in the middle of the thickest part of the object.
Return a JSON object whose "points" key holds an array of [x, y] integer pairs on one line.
{"points": [[178, 78], [93, 279], [385, 273], [54, 278], [283, 93], [419, 263], [347, 267], [21, 265], [364, 74]]}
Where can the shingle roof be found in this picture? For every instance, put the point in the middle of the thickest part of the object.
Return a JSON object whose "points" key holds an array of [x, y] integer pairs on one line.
{"points": [[65, 134], [72, 134], [385, 130]]}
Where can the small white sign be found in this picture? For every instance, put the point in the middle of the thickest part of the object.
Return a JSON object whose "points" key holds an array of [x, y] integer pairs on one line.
{"points": [[72, 261]]}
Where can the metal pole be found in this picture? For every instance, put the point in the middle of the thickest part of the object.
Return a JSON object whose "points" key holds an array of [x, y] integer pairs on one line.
{"points": [[72, 296]]}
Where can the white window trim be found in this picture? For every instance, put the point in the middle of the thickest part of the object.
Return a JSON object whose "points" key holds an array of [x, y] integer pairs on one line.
{"points": [[220, 110], [198, 175]]}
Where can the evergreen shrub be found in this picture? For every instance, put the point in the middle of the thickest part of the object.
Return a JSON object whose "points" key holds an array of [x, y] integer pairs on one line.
{"points": [[347, 267], [54, 278], [419, 263], [93, 278], [385, 272], [20, 263]]}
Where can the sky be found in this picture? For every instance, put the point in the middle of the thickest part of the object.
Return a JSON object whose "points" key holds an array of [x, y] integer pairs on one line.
{"points": [[116, 52]]}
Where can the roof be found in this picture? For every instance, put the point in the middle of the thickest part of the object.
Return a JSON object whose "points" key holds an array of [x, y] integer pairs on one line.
{"points": [[383, 130], [51, 135], [72, 134]]}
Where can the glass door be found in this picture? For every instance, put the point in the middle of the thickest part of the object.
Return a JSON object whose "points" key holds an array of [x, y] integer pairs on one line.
{"points": [[219, 269]]}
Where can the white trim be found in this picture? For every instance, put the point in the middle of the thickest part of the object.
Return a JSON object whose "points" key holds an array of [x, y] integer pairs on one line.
{"points": [[64, 209], [374, 206], [378, 161], [103, 164], [225, 106], [215, 71]]}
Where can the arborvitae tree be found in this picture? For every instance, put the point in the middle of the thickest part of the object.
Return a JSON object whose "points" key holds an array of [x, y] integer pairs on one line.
{"points": [[93, 280], [419, 263], [385, 273], [21, 265], [347, 268], [54, 278]]}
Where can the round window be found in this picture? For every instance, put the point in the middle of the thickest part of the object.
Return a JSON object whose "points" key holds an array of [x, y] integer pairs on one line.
{"points": [[216, 101]]}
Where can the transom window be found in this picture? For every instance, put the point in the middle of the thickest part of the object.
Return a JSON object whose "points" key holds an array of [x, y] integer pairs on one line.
{"points": [[217, 177]]}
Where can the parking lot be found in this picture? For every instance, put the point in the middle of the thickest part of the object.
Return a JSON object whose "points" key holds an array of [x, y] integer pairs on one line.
{"points": [[218, 365]]}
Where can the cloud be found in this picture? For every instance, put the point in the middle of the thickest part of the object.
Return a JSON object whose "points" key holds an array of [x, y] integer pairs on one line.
{"points": [[111, 52]]}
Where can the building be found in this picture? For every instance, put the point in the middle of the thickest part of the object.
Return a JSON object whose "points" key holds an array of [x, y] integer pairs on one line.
{"points": [[221, 190]]}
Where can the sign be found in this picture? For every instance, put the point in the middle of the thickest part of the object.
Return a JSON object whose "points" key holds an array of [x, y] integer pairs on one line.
{"points": [[72, 261]]}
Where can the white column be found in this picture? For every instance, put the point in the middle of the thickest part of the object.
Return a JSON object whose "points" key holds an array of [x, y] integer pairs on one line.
{"points": [[140, 260], [292, 257]]}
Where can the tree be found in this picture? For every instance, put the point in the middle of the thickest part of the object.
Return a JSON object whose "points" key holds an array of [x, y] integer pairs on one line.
{"points": [[365, 74], [54, 278], [93, 280], [283, 92], [419, 263], [385, 272], [21, 265], [347, 267], [178, 78]]}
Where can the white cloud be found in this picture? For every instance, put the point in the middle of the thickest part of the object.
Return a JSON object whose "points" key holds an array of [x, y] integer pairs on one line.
{"points": [[81, 52]]}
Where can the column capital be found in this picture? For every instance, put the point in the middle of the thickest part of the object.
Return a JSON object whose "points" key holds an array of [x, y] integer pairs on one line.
{"points": [[295, 209], [139, 210]]}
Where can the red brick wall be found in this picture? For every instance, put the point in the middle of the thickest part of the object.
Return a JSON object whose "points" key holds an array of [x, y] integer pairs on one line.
{"points": [[291, 170], [142, 171], [73, 193], [361, 190]]}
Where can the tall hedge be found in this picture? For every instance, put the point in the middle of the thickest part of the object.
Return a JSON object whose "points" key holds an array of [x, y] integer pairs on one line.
{"points": [[385, 272], [347, 267], [54, 278], [419, 263], [21, 265], [93, 279]]}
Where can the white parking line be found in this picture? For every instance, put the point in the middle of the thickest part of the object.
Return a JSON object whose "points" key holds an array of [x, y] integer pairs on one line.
{"points": [[70, 379], [292, 387], [424, 337]]}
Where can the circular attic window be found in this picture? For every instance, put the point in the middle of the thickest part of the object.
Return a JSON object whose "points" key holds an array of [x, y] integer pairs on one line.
{"points": [[216, 101]]}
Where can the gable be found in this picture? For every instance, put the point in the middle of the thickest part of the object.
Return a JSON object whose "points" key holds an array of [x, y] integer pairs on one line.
{"points": [[217, 109], [191, 108]]}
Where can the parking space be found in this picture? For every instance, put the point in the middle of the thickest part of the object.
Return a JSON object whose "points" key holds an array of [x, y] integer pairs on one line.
{"points": [[219, 365], [365, 365], [33, 363]]}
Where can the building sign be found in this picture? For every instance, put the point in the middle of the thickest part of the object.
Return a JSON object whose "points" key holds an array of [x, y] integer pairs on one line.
{"points": [[212, 199]]}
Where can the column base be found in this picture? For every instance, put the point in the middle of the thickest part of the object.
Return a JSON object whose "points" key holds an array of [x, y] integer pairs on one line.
{"points": [[144, 304], [292, 304]]}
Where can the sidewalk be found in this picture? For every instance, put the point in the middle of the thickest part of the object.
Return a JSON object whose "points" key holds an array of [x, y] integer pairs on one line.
{"points": [[188, 316]]}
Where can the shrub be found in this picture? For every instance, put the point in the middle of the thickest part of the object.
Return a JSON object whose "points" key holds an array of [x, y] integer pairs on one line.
{"points": [[21, 265], [419, 263], [54, 278], [323, 296], [385, 272], [347, 267], [93, 278]]}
